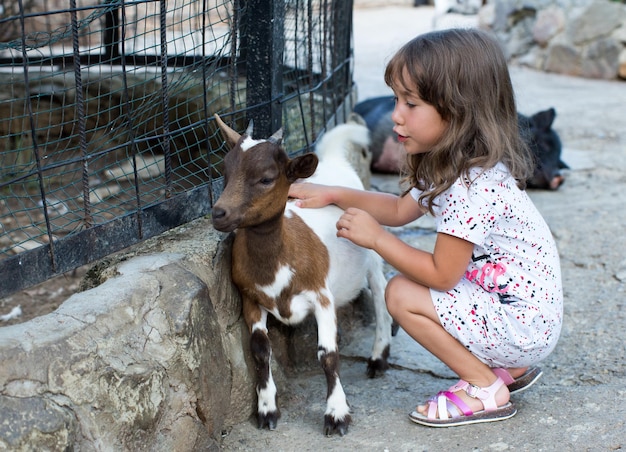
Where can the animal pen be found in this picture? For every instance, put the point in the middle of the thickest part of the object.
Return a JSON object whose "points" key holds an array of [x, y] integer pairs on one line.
{"points": [[107, 135]]}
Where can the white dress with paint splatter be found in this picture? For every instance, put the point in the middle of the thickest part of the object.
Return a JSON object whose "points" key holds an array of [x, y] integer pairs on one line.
{"points": [[508, 308]]}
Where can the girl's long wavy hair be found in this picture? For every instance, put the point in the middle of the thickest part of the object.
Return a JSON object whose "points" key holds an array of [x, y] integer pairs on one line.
{"points": [[463, 74]]}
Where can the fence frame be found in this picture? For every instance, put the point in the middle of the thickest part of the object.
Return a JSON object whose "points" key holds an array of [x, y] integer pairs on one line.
{"points": [[264, 23]]}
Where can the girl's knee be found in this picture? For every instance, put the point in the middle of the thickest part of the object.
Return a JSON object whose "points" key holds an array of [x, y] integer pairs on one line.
{"points": [[394, 294], [404, 295]]}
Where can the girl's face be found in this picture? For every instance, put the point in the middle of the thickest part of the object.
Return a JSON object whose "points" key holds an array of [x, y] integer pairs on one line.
{"points": [[418, 124]]}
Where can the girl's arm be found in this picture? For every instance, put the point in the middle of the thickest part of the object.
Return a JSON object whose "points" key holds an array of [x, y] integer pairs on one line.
{"points": [[386, 208], [361, 223], [441, 270]]}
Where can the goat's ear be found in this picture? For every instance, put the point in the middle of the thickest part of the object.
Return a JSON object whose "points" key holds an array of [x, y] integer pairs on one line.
{"points": [[229, 134], [301, 167]]}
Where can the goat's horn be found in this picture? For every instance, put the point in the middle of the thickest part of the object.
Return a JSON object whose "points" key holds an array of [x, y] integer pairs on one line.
{"points": [[250, 128], [229, 134], [277, 137]]}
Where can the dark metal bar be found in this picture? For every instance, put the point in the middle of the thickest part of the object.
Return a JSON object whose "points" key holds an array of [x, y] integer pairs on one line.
{"points": [[341, 44], [309, 64], [33, 131], [129, 119], [80, 115], [233, 72], [129, 60], [265, 42], [326, 31], [165, 99], [111, 32], [296, 60], [205, 90]]}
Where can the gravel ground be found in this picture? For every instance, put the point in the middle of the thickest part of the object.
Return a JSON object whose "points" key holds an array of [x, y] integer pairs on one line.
{"points": [[576, 406]]}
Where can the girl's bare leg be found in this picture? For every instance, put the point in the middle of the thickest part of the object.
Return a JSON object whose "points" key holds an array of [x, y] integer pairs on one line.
{"points": [[517, 372], [410, 304]]}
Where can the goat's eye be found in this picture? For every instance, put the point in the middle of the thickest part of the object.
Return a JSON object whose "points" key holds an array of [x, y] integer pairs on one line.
{"points": [[266, 181]]}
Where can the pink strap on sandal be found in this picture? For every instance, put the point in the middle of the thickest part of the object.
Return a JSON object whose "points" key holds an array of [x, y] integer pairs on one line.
{"points": [[521, 383], [446, 402], [486, 395]]}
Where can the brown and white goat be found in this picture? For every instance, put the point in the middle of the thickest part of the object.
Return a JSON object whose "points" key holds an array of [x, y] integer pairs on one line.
{"points": [[289, 262]]}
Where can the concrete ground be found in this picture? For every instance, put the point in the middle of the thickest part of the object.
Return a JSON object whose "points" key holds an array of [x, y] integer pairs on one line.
{"points": [[578, 405]]}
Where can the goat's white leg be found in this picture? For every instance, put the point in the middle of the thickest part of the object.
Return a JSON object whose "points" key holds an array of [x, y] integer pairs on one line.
{"points": [[378, 362], [267, 408], [337, 416]]}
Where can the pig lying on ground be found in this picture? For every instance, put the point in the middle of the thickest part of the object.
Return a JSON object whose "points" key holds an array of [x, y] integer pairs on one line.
{"points": [[388, 155]]}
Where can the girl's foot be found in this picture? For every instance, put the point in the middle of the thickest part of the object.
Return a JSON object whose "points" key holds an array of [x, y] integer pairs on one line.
{"points": [[465, 403]]}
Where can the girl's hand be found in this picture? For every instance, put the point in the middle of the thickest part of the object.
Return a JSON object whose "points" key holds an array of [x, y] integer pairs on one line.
{"points": [[359, 227], [310, 195]]}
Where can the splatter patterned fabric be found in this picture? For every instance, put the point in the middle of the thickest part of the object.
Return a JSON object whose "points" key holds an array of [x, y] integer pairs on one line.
{"points": [[507, 309]]}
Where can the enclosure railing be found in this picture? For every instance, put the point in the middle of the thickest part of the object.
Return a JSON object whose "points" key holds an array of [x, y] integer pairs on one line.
{"points": [[107, 135]]}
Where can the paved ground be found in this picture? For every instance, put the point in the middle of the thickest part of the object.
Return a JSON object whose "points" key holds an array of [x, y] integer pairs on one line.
{"points": [[579, 403]]}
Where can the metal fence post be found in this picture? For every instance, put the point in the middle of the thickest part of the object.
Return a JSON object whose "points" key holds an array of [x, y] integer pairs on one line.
{"points": [[264, 40]]}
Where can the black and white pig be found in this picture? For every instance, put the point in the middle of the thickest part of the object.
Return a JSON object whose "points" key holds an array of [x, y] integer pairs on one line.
{"points": [[387, 153]]}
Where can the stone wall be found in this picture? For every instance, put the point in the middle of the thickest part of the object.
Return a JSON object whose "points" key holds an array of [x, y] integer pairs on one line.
{"points": [[150, 359], [584, 38]]}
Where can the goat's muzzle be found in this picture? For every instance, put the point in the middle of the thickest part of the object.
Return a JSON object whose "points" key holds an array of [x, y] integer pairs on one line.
{"points": [[222, 221]]}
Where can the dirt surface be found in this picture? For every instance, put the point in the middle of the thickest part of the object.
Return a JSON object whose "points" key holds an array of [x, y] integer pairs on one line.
{"points": [[41, 299]]}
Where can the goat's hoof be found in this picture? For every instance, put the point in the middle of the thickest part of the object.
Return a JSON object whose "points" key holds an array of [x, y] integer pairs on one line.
{"points": [[269, 420], [376, 367], [332, 425]]}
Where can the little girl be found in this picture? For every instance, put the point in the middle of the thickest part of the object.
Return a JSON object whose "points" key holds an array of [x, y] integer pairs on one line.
{"points": [[488, 300]]}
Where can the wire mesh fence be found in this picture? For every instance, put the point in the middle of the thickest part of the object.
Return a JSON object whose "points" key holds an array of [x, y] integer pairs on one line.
{"points": [[107, 134]]}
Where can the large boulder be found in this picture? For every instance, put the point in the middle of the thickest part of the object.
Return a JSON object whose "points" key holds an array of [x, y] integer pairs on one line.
{"points": [[149, 359]]}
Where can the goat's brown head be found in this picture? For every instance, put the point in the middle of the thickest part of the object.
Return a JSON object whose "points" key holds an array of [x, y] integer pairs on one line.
{"points": [[257, 176]]}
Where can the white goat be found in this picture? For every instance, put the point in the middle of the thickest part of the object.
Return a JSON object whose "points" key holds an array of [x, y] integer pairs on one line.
{"points": [[289, 262]]}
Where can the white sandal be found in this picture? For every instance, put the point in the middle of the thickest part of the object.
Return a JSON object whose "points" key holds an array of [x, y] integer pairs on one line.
{"points": [[446, 409]]}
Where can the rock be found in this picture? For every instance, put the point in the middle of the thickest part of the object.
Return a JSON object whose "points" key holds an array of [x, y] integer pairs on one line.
{"points": [[34, 423], [132, 364], [563, 59], [601, 59], [595, 21], [535, 33], [549, 23]]}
